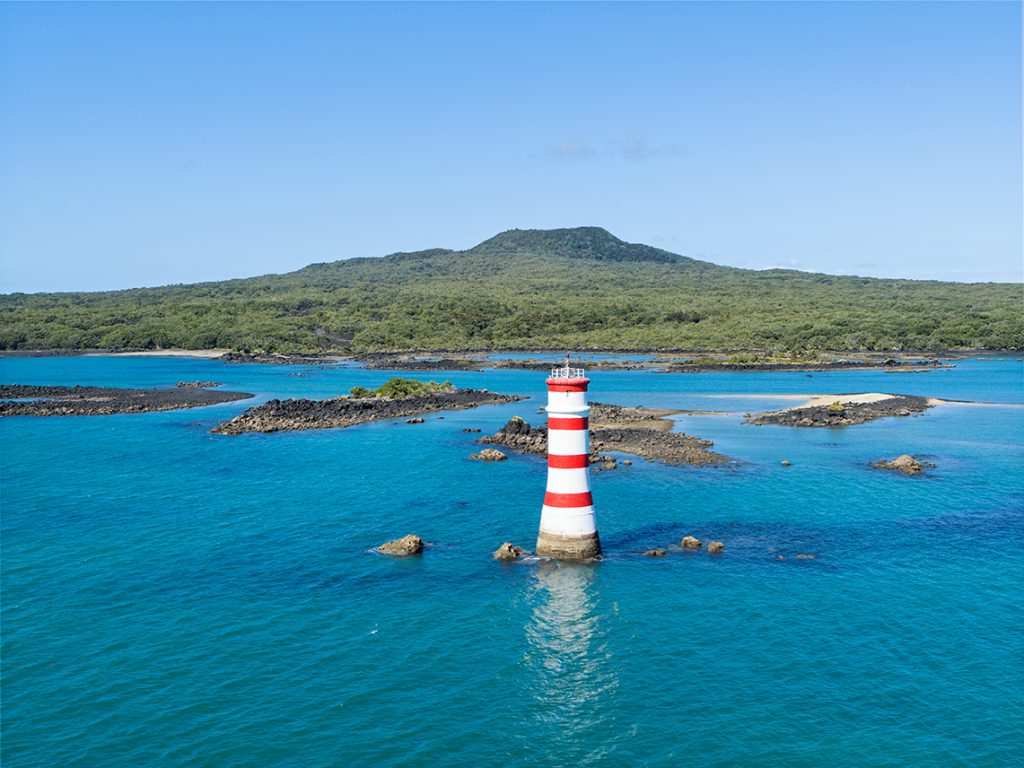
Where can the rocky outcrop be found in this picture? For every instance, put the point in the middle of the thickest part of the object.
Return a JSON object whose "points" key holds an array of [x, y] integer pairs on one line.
{"points": [[535, 364], [905, 464], [724, 366], [520, 436], [403, 547], [489, 454], [715, 547], [276, 359], [691, 542], [843, 414], [654, 553], [277, 415], [414, 420], [786, 462], [406, 361], [28, 400], [508, 551], [197, 384], [637, 431]]}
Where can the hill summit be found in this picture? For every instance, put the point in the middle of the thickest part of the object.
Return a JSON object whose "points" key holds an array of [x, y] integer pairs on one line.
{"points": [[579, 288], [577, 243]]}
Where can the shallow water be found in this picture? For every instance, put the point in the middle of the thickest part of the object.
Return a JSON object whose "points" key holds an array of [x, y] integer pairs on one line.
{"points": [[172, 597]]}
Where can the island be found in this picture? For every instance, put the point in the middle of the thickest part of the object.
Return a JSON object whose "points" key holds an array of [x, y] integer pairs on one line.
{"points": [[844, 410], [397, 398], [29, 400]]}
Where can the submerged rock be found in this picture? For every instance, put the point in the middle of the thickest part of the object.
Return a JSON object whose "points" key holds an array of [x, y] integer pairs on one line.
{"points": [[508, 551], [905, 464], [654, 553], [197, 384], [691, 542], [715, 547], [489, 454], [407, 545], [470, 429]]}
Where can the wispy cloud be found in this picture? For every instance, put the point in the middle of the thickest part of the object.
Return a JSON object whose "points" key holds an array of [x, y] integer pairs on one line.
{"points": [[570, 149], [638, 149]]}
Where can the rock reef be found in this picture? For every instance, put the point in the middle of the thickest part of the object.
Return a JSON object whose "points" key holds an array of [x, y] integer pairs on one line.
{"points": [[843, 412], [508, 551], [637, 431], [406, 361], [905, 464], [197, 384], [403, 547], [489, 454], [281, 415], [275, 359], [28, 400]]}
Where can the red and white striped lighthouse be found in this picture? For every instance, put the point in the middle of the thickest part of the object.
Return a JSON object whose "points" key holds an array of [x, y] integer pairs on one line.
{"points": [[568, 529]]}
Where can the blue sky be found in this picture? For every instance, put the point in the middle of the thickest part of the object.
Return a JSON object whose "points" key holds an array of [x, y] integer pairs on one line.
{"points": [[145, 144]]}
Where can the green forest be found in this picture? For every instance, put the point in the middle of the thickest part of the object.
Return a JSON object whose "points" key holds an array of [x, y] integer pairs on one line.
{"points": [[527, 289]]}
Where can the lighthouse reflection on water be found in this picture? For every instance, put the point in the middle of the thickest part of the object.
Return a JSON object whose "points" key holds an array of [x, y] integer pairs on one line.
{"points": [[569, 658]]}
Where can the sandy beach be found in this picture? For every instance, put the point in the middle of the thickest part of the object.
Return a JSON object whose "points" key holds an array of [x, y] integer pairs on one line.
{"points": [[203, 353]]}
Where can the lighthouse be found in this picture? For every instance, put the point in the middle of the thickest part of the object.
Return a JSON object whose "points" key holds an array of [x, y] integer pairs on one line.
{"points": [[568, 529]]}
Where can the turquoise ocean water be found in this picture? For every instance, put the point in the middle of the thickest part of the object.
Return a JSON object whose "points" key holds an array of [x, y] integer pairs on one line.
{"points": [[176, 598]]}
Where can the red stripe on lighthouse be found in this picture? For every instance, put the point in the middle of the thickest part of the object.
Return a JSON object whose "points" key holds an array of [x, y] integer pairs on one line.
{"points": [[568, 499], [573, 422], [562, 386], [578, 461]]}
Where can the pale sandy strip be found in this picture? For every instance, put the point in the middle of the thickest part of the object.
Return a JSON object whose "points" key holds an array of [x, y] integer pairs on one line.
{"points": [[204, 353]]}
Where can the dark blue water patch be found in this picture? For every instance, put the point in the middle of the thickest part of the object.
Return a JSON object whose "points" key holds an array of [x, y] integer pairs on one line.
{"points": [[1004, 526]]}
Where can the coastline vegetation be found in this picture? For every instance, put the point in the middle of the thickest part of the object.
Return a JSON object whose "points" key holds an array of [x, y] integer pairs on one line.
{"points": [[396, 389], [528, 289]]}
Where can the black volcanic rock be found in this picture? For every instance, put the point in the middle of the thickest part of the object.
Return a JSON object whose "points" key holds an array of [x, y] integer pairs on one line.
{"points": [[842, 414], [28, 400], [277, 415]]}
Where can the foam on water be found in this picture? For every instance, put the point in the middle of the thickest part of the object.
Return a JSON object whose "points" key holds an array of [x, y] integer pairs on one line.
{"points": [[172, 597]]}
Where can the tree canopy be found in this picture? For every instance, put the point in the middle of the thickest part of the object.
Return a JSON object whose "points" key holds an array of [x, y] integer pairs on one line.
{"points": [[527, 289]]}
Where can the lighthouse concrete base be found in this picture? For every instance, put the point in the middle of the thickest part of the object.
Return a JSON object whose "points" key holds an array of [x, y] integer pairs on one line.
{"points": [[568, 547]]}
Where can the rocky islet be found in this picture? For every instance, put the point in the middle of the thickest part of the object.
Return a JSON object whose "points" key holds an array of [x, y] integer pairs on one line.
{"points": [[29, 400], [340, 412]]}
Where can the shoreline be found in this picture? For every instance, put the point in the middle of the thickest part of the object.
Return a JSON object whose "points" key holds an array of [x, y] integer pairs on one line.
{"points": [[948, 354]]}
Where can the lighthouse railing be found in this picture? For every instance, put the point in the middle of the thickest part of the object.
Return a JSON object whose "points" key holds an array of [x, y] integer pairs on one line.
{"points": [[565, 372]]}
